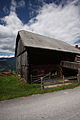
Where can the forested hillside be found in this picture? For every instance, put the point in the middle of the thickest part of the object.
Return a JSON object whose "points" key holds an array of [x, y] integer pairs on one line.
{"points": [[7, 64]]}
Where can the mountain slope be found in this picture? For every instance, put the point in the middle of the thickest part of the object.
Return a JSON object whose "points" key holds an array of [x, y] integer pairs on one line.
{"points": [[7, 64]]}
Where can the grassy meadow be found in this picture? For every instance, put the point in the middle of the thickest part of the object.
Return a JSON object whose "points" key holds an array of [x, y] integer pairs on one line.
{"points": [[14, 87]]}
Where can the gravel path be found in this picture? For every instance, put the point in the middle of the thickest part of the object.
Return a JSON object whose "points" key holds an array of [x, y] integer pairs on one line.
{"points": [[61, 105]]}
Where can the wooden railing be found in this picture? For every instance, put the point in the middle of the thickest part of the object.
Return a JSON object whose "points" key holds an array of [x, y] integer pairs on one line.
{"points": [[59, 81], [71, 65], [37, 78], [47, 80]]}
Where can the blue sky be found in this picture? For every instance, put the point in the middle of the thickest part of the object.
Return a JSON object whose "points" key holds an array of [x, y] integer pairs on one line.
{"points": [[59, 19]]}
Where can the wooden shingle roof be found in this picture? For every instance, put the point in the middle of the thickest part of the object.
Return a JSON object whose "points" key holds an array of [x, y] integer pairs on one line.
{"points": [[30, 39]]}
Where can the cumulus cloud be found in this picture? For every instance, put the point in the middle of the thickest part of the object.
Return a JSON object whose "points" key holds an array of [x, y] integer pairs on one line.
{"points": [[6, 56], [5, 10], [59, 22], [15, 5], [9, 31], [21, 3]]}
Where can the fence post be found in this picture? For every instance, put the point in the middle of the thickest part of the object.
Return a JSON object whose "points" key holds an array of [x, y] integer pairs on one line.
{"points": [[42, 85], [31, 78], [63, 79], [49, 75], [78, 75]]}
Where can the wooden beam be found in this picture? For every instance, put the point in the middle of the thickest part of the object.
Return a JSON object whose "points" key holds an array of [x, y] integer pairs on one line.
{"points": [[70, 65]]}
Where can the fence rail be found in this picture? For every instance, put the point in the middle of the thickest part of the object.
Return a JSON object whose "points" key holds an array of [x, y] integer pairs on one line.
{"points": [[38, 78], [71, 65], [46, 80], [58, 81]]}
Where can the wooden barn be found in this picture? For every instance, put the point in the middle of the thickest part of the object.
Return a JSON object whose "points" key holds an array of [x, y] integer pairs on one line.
{"points": [[39, 55]]}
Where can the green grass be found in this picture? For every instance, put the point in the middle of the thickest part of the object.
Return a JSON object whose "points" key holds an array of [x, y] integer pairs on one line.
{"points": [[13, 87]]}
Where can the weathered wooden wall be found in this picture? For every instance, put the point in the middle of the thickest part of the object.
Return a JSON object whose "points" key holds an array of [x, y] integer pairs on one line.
{"points": [[22, 61], [20, 48]]}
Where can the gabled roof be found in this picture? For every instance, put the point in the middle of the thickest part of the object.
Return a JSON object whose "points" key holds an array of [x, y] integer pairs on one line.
{"points": [[30, 39]]}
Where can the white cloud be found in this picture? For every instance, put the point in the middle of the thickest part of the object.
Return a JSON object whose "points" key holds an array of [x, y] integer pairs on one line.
{"points": [[57, 22], [52, 20], [3, 56], [13, 6], [21, 3], [5, 10], [9, 31]]}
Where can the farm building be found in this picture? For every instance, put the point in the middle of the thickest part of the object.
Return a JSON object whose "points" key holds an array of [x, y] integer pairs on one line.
{"points": [[39, 55]]}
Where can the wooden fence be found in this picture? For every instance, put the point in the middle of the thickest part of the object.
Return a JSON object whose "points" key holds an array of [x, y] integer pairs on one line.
{"points": [[38, 78], [47, 80]]}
